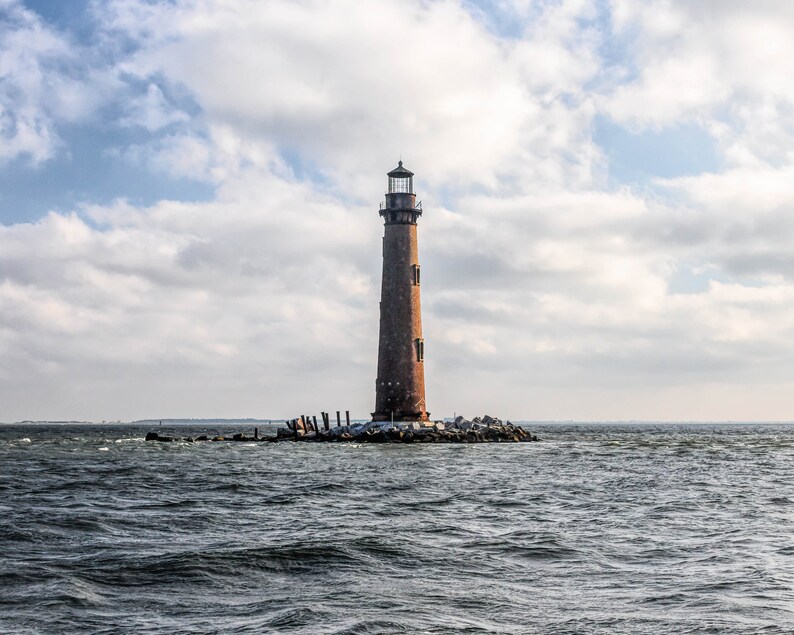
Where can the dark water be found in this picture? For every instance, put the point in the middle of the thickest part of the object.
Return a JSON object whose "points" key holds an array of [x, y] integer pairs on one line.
{"points": [[598, 529]]}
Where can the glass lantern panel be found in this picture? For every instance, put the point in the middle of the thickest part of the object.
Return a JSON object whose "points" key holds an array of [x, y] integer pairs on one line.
{"points": [[400, 185]]}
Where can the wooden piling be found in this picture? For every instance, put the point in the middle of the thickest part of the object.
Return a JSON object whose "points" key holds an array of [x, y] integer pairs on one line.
{"points": [[314, 421], [338, 419], [347, 416], [327, 421]]}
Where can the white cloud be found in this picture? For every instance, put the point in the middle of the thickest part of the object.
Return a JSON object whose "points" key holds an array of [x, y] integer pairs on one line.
{"points": [[725, 65], [743, 219], [205, 288], [25, 45], [546, 292], [153, 111], [335, 85], [44, 82]]}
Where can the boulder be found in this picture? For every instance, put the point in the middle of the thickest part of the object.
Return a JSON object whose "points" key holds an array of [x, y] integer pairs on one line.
{"points": [[376, 437], [151, 436]]}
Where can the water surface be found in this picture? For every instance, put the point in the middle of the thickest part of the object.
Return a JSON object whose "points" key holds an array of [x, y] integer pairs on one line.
{"points": [[599, 528]]}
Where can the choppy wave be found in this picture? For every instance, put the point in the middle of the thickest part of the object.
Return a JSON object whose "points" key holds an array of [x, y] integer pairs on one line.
{"points": [[645, 528]]}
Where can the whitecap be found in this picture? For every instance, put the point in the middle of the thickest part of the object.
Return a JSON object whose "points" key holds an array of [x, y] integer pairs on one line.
{"points": [[104, 449], [25, 440]]}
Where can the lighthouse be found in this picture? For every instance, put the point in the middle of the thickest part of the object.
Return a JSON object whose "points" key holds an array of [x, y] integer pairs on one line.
{"points": [[400, 384]]}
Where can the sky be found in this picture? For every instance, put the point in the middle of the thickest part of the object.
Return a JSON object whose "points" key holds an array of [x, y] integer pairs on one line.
{"points": [[189, 196]]}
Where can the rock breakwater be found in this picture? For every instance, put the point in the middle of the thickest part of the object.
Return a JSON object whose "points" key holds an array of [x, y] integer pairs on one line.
{"points": [[485, 429], [478, 430]]}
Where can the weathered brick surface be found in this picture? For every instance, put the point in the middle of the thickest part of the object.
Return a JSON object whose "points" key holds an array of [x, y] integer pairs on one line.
{"points": [[400, 384]]}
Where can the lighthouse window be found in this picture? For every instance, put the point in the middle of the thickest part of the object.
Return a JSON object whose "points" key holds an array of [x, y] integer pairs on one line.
{"points": [[415, 272], [420, 350], [400, 185]]}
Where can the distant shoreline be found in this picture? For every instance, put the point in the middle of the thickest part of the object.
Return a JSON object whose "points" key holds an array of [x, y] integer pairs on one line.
{"points": [[147, 422]]}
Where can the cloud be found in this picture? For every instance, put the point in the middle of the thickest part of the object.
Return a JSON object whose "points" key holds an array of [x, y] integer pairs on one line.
{"points": [[743, 219], [44, 82], [25, 46], [723, 65], [153, 111], [548, 290], [332, 84], [118, 292]]}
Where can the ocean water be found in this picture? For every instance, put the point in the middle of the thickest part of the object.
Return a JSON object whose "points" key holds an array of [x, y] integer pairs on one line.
{"points": [[598, 528]]}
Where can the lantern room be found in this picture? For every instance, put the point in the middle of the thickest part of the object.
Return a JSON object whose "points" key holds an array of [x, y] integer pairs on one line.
{"points": [[401, 180]]}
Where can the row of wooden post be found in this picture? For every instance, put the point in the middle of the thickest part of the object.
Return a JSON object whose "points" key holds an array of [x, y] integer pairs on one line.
{"points": [[326, 417]]}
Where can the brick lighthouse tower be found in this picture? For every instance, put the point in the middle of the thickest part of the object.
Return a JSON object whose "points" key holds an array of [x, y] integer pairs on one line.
{"points": [[400, 385]]}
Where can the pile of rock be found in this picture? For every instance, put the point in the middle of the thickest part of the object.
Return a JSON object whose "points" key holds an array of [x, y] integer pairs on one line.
{"points": [[479, 430], [153, 436]]}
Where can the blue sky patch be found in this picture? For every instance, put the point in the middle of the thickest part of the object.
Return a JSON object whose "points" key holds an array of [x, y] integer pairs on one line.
{"points": [[639, 157], [85, 171]]}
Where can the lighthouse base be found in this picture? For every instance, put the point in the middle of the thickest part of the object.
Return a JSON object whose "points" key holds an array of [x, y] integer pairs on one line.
{"points": [[400, 416]]}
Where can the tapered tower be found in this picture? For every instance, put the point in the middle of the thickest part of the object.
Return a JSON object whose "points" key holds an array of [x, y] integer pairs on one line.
{"points": [[400, 385]]}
